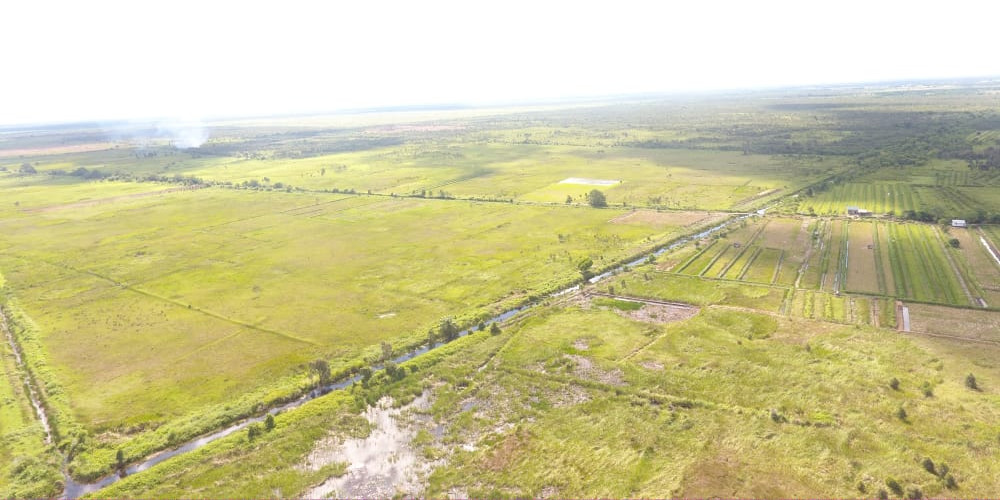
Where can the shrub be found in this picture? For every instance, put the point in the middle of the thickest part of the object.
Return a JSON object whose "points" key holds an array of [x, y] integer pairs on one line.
{"points": [[901, 413], [894, 486], [894, 383], [929, 466], [777, 417], [914, 493], [942, 470], [494, 329], [949, 482], [269, 422], [882, 494], [927, 389], [970, 382]]}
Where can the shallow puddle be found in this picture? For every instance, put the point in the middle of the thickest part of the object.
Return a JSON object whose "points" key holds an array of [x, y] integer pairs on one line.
{"points": [[381, 465]]}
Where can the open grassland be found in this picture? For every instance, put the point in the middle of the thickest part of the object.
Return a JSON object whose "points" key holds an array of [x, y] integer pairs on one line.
{"points": [[644, 409], [458, 163], [148, 310], [161, 293]]}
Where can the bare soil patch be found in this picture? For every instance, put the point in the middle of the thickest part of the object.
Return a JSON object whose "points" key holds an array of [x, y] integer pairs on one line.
{"points": [[381, 464], [584, 367], [660, 314], [652, 365]]}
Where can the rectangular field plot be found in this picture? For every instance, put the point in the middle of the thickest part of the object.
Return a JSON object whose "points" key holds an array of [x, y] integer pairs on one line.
{"points": [[878, 198], [976, 251], [700, 291], [863, 267], [850, 309], [920, 268], [953, 322]]}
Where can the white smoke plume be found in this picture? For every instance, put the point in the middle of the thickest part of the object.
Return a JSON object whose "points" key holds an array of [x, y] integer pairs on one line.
{"points": [[183, 133]]}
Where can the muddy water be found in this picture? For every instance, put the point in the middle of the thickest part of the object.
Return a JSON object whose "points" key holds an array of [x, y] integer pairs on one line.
{"points": [[75, 489], [382, 464]]}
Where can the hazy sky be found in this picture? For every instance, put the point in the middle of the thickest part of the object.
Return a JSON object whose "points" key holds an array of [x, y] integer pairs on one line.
{"points": [[145, 58]]}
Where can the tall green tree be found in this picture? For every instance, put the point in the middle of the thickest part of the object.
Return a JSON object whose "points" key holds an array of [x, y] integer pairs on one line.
{"points": [[596, 199]]}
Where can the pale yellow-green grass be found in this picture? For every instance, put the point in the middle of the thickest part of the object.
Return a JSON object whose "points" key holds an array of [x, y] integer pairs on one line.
{"points": [[724, 404], [147, 310]]}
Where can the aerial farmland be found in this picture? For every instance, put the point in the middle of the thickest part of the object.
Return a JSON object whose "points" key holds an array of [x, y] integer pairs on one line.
{"points": [[658, 298]]}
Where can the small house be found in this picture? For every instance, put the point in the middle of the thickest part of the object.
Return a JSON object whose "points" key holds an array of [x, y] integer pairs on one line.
{"points": [[852, 210], [958, 223]]}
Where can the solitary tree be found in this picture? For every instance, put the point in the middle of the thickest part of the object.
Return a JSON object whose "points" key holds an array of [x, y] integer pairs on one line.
{"points": [[449, 331], [322, 369], [26, 168], [269, 422], [970, 382], [584, 267], [596, 199], [120, 461], [366, 374], [494, 329], [386, 351], [253, 431]]}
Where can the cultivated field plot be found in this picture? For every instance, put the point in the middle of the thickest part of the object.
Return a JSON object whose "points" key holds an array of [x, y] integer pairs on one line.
{"points": [[837, 256], [897, 198], [972, 324], [635, 409], [151, 308], [650, 283], [763, 250], [848, 309], [974, 256]]}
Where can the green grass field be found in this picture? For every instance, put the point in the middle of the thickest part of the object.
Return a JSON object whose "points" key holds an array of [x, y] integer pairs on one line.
{"points": [[195, 298]]}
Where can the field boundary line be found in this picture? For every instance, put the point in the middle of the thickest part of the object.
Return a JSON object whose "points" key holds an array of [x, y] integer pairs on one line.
{"points": [[191, 307], [749, 263], [777, 267], [743, 250]]}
